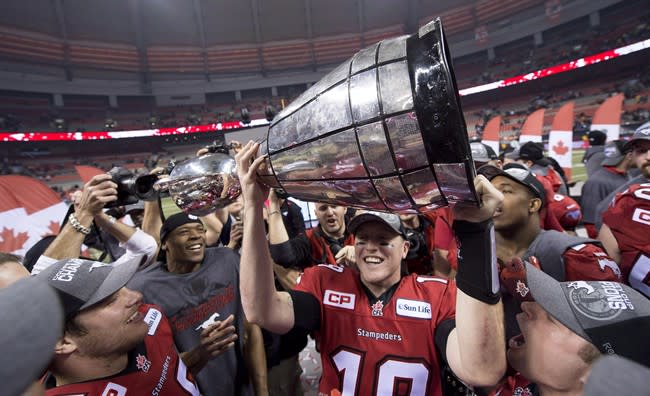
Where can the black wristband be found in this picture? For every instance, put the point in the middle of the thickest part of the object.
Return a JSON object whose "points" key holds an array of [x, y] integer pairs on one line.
{"points": [[477, 274]]}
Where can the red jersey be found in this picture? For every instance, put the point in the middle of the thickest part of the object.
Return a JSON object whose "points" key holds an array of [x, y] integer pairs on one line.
{"points": [[589, 262], [154, 367], [516, 385], [378, 349], [566, 210], [321, 252], [628, 216], [444, 235]]}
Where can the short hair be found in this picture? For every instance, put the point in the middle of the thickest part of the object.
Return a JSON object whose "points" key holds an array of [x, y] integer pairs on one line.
{"points": [[5, 257], [73, 326], [589, 353]]}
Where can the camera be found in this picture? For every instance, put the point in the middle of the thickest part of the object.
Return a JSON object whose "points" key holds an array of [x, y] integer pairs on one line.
{"points": [[219, 147], [418, 244], [281, 193], [131, 188]]}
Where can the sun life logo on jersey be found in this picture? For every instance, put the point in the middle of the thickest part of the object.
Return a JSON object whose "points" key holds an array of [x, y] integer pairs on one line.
{"points": [[413, 308], [152, 318]]}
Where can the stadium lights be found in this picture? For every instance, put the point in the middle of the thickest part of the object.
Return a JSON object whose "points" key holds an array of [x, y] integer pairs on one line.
{"points": [[232, 124], [245, 116], [269, 112]]}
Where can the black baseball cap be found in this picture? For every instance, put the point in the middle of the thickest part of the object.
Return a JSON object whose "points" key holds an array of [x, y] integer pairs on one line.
{"points": [[518, 173], [390, 219], [531, 151], [174, 221], [482, 152], [611, 315], [596, 137]]}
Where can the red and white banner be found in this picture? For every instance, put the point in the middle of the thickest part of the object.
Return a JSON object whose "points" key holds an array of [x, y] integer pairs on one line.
{"points": [[86, 172], [29, 211], [560, 139], [608, 117], [531, 131], [491, 133]]}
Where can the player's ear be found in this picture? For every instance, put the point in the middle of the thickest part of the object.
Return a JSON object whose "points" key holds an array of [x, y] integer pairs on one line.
{"points": [[535, 205], [405, 249], [65, 345]]}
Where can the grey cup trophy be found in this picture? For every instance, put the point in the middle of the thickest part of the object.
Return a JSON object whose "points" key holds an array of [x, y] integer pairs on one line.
{"points": [[382, 131]]}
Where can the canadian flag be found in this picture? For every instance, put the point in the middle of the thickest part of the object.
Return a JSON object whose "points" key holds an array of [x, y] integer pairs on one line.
{"points": [[29, 211]]}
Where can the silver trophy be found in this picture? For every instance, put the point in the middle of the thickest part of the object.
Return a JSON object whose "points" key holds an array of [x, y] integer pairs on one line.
{"points": [[382, 131]]}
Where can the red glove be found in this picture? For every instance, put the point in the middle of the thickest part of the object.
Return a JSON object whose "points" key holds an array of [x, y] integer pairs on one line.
{"points": [[513, 278]]}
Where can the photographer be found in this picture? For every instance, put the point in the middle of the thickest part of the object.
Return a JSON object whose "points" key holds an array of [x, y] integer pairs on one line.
{"points": [[89, 212], [420, 234]]}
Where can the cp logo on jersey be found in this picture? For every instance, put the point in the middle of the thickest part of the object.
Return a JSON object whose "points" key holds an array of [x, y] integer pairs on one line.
{"points": [[113, 389], [339, 299]]}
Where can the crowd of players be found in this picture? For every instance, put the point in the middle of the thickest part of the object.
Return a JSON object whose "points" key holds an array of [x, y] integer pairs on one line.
{"points": [[502, 299]]}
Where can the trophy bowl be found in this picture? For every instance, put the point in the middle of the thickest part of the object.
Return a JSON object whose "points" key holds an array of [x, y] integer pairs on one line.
{"points": [[203, 184]]}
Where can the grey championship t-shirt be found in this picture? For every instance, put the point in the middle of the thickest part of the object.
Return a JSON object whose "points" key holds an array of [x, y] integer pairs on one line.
{"points": [[189, 300], [595, 189]]}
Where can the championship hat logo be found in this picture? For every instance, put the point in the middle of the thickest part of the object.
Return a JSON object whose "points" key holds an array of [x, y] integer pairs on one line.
{"points": [[598, 300]]}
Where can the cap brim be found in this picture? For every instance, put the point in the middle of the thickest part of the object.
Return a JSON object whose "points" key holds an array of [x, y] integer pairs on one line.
{"points": [[363, 218], [116, 279], [548, 293], [630, 143], [490, 172], [32, 323], [513, 155]]}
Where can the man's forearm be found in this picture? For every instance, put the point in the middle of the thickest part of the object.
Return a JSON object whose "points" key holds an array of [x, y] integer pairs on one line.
{"points": [[119, 230], [151, 221], [68, 243], [262, 304], [194, 359], [479, 340], [294, 253], [256, 359]]}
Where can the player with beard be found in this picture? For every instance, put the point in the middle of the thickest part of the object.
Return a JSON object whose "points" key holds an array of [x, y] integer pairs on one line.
{"points": [[518, 234], [113, 344], [626, 222], [379, 331], [640, 160]]}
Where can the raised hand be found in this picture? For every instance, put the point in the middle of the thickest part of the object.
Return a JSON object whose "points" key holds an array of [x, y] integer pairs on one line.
{"points": [[490, 198], [99, 191], [247, 165]]}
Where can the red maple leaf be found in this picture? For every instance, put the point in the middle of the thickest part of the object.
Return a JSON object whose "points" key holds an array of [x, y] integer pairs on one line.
{"points": [[10, 242], [560, 148], [54, 228]]}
